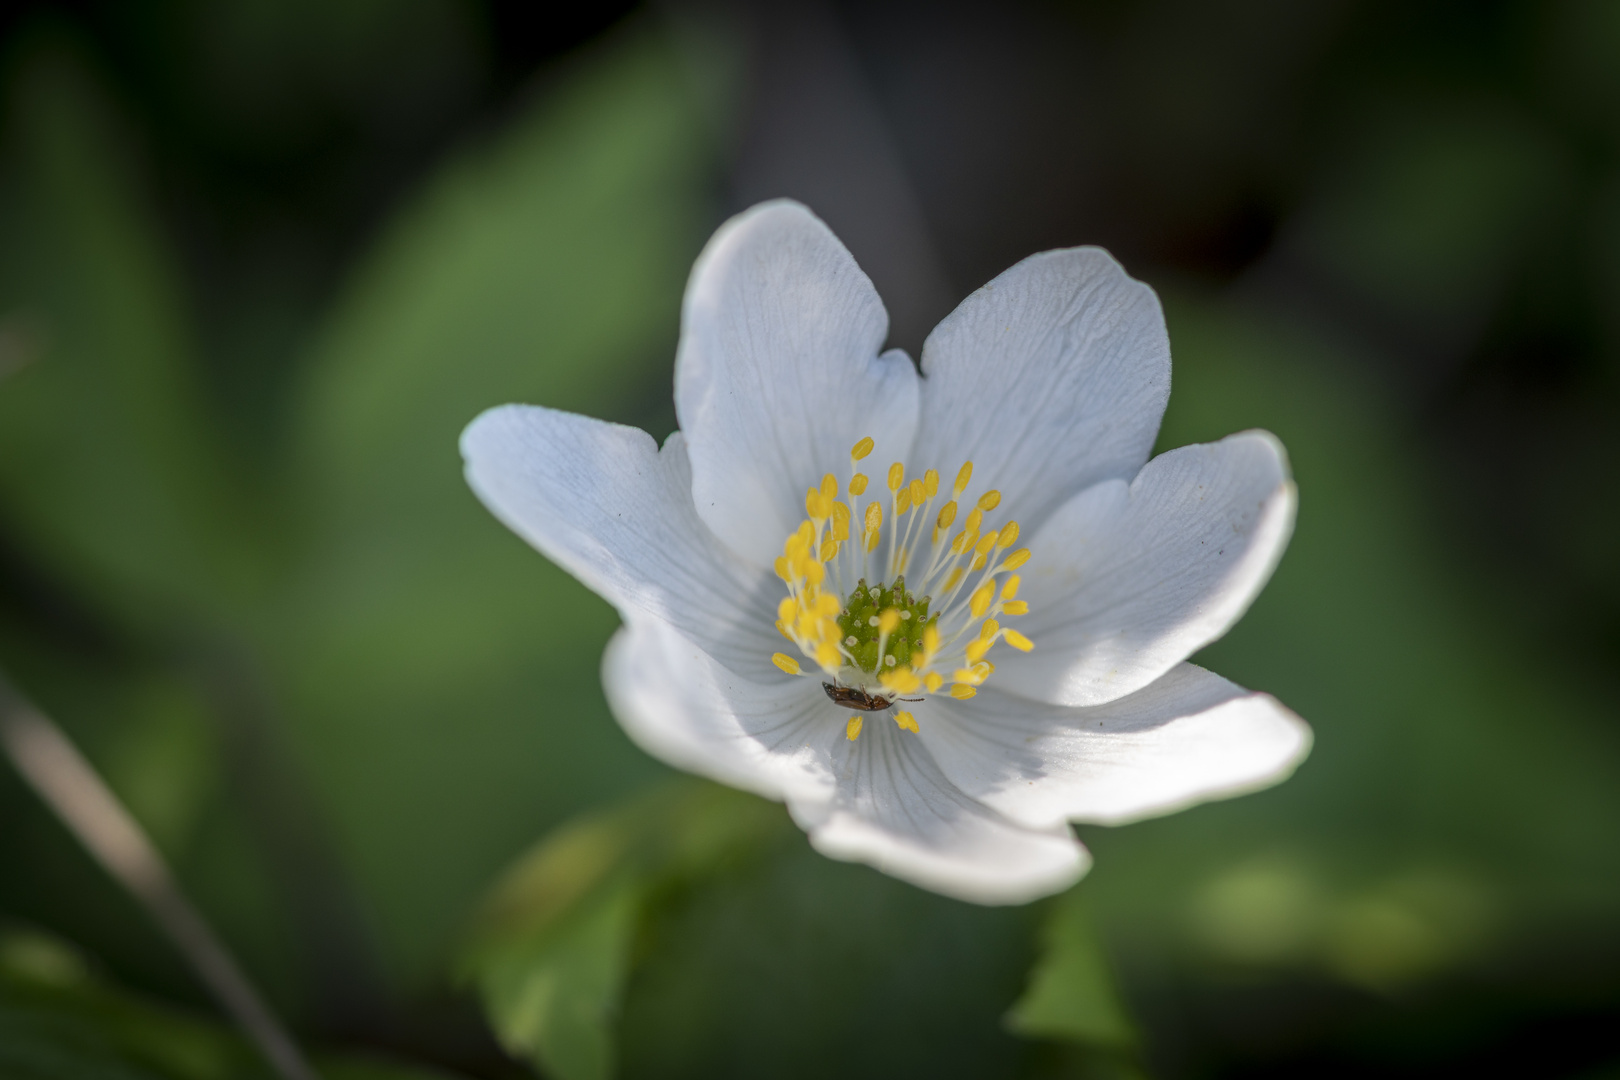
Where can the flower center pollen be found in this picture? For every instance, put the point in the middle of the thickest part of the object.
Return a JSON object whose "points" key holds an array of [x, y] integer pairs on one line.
{"points": [[851, 612]]}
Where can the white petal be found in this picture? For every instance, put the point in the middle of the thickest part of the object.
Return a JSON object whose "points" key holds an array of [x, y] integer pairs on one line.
{"points": [[683, 707], [603, 503], [778, 374], [1049, 379], [896, 810], [1127, 581], [1186, 738]]}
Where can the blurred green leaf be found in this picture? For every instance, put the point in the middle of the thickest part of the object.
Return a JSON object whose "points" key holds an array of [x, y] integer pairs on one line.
{"points": [[441, 676], [1071, 992], [551, 951], [109, 471], [59, 1022]]}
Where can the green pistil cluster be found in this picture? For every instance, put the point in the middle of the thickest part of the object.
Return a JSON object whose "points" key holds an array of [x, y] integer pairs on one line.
{"points": [[858, 624]]}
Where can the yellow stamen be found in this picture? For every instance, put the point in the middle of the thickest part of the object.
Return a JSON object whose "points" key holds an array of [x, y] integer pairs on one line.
{"points": [[874, 516], [829, 486], [783, 571], [976, 650], [897, 476], [1017, 640], [979, 603], [785, 662], [1010, 589], [954, 580], [931, 483], [857, 484], [861, 449], [990, 500], [852, 730], [906, 721], [1017, 559], [1016, 607], [963, 475], [919, 492], [934, 681], [961, 692], [1009, 535], [982, 548], [888, 621], [828, 657], [947, 514], [901, 680], [902, 502], [988, 630], [788, 609]]}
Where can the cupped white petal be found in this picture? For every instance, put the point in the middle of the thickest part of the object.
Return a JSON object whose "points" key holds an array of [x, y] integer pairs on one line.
{"points": [[897, 811], [1129, 580], [778, 374], [1049, 379], [1186, 738], [682, 706], [605, 504]]}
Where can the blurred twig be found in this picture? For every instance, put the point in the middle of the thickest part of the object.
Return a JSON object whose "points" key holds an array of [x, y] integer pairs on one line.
{"points": [[70, 787]]}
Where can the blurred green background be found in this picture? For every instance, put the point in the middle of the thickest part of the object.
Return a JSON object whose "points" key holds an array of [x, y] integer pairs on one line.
{"points": [[261, 260]]}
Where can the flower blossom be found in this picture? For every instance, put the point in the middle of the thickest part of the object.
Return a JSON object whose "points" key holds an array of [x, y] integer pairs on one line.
{"points": [[941, 613]]}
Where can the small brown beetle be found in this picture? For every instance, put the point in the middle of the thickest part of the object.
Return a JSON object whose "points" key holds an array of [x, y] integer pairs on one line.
{"points": [[856, 699]]}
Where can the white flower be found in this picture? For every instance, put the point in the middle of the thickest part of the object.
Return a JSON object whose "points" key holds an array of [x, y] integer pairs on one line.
{"points": [[756, 559]]}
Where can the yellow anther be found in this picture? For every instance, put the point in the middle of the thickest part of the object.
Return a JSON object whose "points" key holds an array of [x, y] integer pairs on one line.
{"points": [[827, 605], [788, 609], [783, 570], [852, 730], [785, 662], [861, 449], [953, 580], [963, 475], [930, 642], [1016, 607], [815, 573], [979, 562], [934, 681], [979, 603], [906, 721], [1017, 640], [902, 502], [931, 482], [975, 518], [806, 533], [829, 548], [919, 492], [990, 500], [902, 680], [947, 514], [874, 515], [977, 648], [1010, 589], [888, 621], [829, 486], [817, 505], [873, 538], [827, 655], [857, 484], [983, 547], [1009, 535], [1017, 559], [897, 476], [962, 692], [988, 630], [781, 628], [967, 676]]}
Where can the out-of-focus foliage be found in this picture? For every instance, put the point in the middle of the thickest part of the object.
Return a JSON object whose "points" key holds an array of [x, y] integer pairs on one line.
{"points": [[260, 263], [551, 952], [59, 1022]]}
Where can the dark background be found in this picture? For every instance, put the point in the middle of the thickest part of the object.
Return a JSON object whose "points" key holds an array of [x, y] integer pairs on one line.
{"points": [[260, 261]]}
